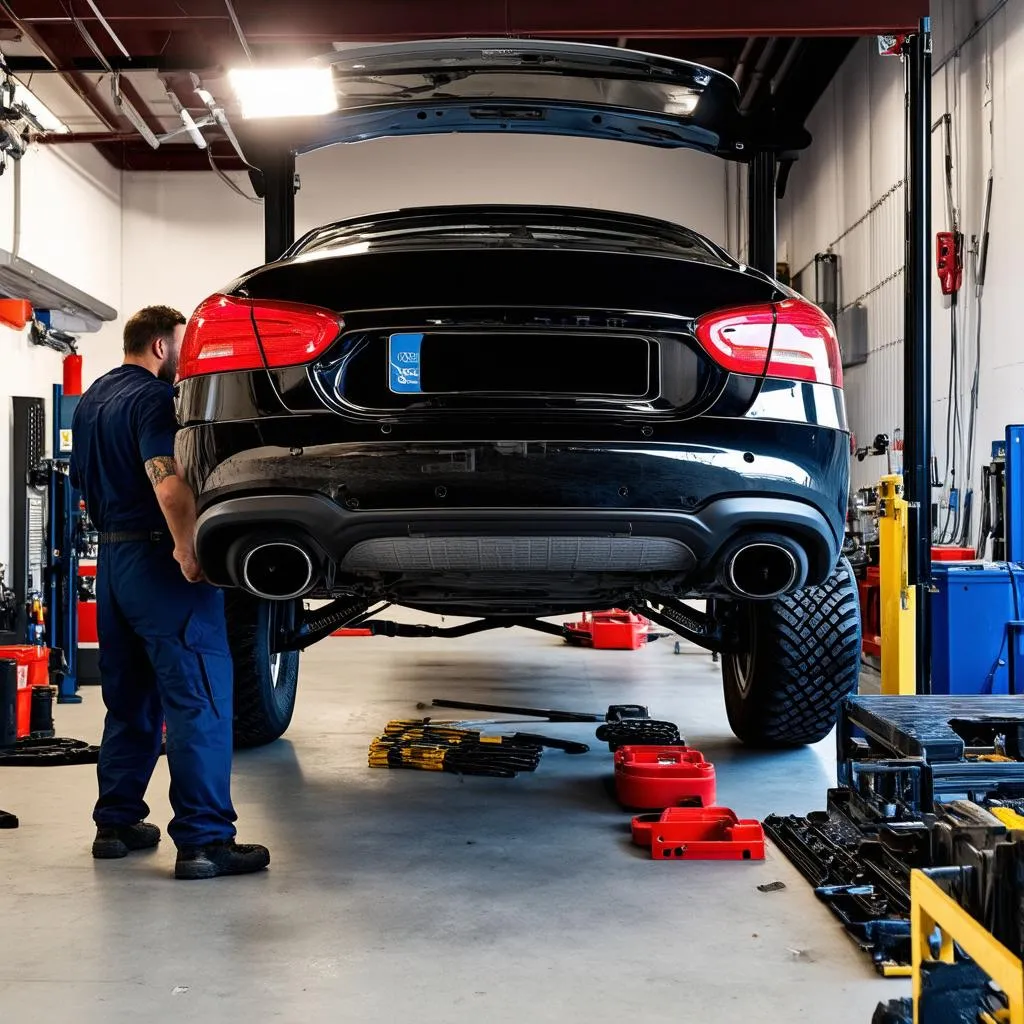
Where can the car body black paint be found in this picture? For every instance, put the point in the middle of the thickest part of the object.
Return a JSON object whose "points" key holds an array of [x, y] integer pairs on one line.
{"points": [[724, 452]]}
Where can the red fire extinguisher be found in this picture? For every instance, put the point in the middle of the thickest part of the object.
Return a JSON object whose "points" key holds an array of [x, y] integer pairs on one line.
{"points": [[73, 374]]}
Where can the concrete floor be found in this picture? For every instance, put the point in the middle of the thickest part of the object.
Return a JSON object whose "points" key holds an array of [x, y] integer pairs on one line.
{"points": [[421, 897]]}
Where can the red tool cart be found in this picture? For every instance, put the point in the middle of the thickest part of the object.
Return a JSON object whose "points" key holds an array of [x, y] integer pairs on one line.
{"points": [[88, 637], [33, 671]]}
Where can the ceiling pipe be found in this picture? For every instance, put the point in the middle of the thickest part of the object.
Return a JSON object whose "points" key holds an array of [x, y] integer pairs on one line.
{"points": [[110, 32], [741, 64], [233, 15], [786, 66], [758, 76], [93, 138]]}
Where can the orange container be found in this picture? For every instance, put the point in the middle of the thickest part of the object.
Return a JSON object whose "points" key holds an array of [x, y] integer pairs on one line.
{"points": [[33, 670]]}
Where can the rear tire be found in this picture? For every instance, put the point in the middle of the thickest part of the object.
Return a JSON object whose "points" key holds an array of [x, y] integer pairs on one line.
{"points": [[801, 658], [265, 683]]}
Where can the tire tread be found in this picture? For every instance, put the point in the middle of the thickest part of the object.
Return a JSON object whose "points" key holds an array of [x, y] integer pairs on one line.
{"points": [[255, 724], [807, 654]]}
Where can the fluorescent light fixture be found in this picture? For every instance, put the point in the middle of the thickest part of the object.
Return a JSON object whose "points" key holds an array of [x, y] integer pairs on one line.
{"points": [[284, 92], [187, 120], [134, 117], [192, 128], [35, 111]]}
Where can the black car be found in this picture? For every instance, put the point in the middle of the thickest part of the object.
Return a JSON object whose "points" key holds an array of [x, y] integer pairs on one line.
{"points": [[510, 413]]}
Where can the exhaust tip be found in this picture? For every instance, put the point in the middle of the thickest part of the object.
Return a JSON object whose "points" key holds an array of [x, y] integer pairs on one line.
{"points": [[763, 568], [277, 570]]}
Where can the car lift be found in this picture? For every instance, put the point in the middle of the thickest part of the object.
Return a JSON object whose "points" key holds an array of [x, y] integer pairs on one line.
{"points": [[49, 537]]}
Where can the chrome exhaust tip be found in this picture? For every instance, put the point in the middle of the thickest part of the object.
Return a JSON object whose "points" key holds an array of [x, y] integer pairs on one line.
{"points": [[764, 567], [277, 570]]}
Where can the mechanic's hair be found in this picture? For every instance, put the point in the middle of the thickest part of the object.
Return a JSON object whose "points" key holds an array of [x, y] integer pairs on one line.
{"points": [[147, 325]]}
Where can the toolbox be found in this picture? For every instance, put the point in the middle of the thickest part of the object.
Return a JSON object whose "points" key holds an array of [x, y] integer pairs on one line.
{"points": [[699, 833], [977, 636], [653, 778]]}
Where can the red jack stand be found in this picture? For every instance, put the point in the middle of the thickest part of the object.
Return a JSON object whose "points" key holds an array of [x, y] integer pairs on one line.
{"points": [[699, 833], [613, 630]]}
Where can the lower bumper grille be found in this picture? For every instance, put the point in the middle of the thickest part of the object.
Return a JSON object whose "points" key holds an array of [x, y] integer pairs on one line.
{"points": [[519, 554]]}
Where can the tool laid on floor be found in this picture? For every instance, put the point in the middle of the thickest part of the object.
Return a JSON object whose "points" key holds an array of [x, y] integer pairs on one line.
{"points": [[623, 723], [44, 753], [434, 746], [525, 738], [615, 712], [640, 732]]}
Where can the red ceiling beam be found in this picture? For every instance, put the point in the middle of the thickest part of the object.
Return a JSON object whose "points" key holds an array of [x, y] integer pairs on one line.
{"points": [[381, 20], [134, 156]]}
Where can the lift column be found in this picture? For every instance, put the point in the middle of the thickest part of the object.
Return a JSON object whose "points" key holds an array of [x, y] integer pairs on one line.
{"points": [[917, 345]]}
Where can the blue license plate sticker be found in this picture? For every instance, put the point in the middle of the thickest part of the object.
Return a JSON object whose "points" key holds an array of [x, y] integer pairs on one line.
{"points": [[404, 363]]}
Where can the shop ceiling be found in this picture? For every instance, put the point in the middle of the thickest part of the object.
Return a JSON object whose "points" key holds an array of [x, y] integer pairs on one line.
{"points": [[781, 54]]}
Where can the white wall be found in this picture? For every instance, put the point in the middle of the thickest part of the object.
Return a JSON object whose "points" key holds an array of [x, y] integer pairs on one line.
{"points": [[187, 234], [858, 154], [70, 226]]}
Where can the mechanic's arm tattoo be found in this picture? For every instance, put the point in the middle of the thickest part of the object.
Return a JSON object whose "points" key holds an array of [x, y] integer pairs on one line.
{"points": [[160, 468]]}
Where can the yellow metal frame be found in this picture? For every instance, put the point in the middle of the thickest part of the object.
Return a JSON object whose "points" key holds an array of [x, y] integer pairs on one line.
{"points": [[897, 599], [931, 908]]}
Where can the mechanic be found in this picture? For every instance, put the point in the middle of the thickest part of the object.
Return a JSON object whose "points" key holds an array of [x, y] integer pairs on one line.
{"points": [[163, 651]]}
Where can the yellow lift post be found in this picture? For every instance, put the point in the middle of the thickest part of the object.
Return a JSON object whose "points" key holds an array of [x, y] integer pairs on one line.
{"points": [[897, 599], [931, 910]]}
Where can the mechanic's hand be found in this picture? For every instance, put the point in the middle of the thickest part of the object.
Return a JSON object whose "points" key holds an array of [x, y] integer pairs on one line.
{"points": [[189, 565]]}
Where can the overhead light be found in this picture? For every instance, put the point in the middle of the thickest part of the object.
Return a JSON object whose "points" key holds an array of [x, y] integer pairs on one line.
{"points": [[192, 128], [34, 110], [284, 92], [125, 107]]}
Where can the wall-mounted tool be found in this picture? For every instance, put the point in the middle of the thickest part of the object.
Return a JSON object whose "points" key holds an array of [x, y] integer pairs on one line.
{"points": [[949, 260]]}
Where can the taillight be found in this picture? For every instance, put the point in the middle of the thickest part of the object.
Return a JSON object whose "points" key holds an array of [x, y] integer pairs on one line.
{"points": [[228, 333], [804, 346]]}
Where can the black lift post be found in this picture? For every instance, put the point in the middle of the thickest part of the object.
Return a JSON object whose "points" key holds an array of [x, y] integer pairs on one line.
{"points": [[917, 345]]}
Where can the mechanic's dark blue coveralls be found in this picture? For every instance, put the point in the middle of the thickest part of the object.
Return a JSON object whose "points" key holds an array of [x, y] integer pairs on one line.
{"points": [[163, 651]]}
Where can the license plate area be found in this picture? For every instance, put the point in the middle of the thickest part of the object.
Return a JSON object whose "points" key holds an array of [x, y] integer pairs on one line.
{"points": [[622, 367]]}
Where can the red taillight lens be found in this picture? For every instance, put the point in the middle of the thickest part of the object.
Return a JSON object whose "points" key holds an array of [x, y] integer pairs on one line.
{"points": [[805, 346], [291, 333], [222, 335], [738, 339]]}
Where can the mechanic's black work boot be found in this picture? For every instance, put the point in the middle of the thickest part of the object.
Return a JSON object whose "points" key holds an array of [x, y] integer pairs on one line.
{"points": [[227, 858], [114, 841]]}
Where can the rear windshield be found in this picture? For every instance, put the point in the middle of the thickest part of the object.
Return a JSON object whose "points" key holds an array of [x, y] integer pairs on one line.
{"points": [[476, 231]]}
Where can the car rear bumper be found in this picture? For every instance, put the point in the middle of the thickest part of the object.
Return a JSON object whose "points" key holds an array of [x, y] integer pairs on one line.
{"points": [[567, 507]]}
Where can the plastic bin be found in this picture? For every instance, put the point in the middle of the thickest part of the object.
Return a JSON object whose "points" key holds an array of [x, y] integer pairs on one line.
{"points": [[977, 611]]}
